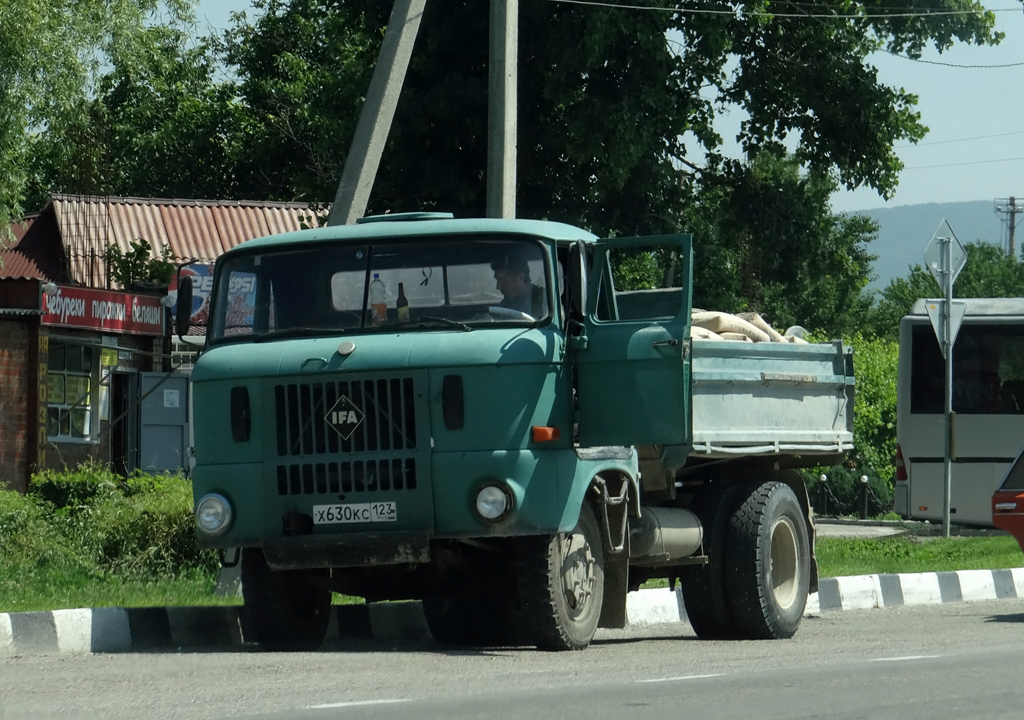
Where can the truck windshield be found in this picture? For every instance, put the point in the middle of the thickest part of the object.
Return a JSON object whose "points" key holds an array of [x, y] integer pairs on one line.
{"points": [[416, 285]]}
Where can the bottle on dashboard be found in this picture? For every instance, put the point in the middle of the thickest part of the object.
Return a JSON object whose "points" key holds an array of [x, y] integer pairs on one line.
{"points": [[402, 304], [378, 301]]}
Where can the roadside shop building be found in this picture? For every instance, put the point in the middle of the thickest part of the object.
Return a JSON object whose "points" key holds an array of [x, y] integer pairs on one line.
{"points": [[89, 370]]}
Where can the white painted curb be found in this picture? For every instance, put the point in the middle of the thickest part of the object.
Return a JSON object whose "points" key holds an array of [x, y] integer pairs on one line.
{"points": [[76, 631]]}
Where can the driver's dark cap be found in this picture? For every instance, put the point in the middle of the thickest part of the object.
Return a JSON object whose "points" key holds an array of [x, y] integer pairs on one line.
{"points": [[513, 260]]}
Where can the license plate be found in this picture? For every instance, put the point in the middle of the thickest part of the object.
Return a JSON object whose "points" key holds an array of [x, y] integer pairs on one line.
{"points": [[355, 513]]}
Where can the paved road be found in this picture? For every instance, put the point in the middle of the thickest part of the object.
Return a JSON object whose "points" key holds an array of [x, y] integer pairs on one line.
{"points": [[946, 661]]}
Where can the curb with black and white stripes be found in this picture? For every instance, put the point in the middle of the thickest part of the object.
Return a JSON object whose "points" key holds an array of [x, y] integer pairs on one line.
{"points": [[114, 629]]}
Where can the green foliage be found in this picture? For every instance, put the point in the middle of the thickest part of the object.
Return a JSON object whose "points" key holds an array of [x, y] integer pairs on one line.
{"points": [[50, 54], [766, 240], [988, 272], [159, 124], [74, 487], [874, 422], [138, 264], [637, 270], [838, 557], [87, 526]]}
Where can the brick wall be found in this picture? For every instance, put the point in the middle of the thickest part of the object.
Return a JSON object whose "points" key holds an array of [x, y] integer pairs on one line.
{"points": [[16, 382]]}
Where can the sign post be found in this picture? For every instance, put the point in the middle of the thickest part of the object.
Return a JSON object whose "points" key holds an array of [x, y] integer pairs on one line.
{"points": [[945, 258]]}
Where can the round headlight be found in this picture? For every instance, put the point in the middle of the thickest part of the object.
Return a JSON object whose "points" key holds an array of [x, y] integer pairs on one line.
{"points": [[493, 502], [213, 514]]}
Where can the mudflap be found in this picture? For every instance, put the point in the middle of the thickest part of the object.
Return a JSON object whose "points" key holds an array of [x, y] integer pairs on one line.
{"points": [[616, 581]]}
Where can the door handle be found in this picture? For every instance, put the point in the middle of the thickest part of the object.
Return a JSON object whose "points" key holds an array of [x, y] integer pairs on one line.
{"points": [[671, 343]]}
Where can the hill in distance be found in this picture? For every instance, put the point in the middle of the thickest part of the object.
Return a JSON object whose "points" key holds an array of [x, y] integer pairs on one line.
{"points": [[904, 232]]}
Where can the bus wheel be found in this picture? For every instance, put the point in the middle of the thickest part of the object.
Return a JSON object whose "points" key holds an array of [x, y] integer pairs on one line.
{"points": [[703, 586], [561, 586], [768, 558], [283, 612]]}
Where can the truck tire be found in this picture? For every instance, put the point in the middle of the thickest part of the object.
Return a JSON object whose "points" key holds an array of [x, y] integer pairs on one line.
{"points": [[561, 586], [282, 611], [768, 558], [703, 586]]}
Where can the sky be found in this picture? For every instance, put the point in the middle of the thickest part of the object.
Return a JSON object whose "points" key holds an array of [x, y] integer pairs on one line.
{"points": [[974, 149]]}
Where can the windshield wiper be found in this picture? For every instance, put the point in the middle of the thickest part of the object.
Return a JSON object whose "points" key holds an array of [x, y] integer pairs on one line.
{"points": [[298, 331], [429, 320]]}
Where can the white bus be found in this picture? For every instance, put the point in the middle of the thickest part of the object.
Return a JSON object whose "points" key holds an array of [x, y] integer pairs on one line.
{"points": [[988, 399]]}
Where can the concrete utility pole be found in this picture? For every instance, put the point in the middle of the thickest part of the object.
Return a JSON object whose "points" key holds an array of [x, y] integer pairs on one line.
{"points": [[1009, 208], [382, 98], [378, 111], [502, 109]]}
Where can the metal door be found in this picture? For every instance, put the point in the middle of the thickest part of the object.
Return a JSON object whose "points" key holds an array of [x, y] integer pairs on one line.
{"points": [[634, 369], [163, 422]]}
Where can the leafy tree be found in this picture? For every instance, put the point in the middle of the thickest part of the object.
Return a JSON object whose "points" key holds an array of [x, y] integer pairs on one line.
{"points": [[50, 52], [302, 71], [771, 243], [161, 125], [874, 421], [607, 96], [988, 272]]}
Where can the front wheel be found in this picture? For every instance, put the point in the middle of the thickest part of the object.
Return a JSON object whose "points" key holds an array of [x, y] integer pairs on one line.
{"points": [[768, 560], [282, 610], [561, 586]]}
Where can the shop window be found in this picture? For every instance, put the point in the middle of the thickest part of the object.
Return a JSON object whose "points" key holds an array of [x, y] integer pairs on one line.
{"points": [[72, 379]]}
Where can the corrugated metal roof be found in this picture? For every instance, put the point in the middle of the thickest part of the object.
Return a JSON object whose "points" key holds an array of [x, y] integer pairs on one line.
{"points": [[192, 229], [18, 266], [31, 259]]}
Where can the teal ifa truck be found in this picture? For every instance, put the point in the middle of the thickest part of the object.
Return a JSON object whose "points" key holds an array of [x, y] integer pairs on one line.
{"points": [[507, 420]]}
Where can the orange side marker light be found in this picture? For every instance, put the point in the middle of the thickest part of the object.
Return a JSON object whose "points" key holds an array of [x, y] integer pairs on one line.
{"points": [[545, 434]]}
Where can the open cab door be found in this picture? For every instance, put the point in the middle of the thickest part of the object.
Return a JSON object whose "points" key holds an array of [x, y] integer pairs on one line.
{"points": [[633, 354]]}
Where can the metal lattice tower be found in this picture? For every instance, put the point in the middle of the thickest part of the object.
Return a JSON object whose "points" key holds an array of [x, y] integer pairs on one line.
{"points": [[83, 181]]}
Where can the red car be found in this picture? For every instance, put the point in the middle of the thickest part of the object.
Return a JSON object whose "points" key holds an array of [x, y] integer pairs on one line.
{"points": [[1008, 502]]}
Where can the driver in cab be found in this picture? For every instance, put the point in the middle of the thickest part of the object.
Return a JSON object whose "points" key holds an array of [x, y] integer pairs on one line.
{"points": [[512, 279]]}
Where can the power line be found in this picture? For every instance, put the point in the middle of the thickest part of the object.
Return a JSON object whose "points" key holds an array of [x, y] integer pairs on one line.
{"points": [[955, 65], [761, 13], [972, 162], [946, 142]]}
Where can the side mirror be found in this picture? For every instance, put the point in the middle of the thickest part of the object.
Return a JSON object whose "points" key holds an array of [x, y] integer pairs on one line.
{"points": [[183, 310]]}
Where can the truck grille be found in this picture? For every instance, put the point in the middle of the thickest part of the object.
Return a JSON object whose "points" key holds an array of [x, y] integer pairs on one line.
{"points": [[388, 423], [346, 477]]}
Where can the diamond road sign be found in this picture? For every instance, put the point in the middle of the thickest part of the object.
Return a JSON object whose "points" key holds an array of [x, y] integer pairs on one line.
{"points": [[935, 310], [344, 417], [935, 255]]}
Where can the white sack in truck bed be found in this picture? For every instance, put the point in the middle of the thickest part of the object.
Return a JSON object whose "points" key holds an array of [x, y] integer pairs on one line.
{"points": [[720, 322], [744, 327]]}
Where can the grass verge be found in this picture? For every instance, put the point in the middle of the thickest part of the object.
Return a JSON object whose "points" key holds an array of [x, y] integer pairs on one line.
{"points": [[841, 556], [88, 538]]}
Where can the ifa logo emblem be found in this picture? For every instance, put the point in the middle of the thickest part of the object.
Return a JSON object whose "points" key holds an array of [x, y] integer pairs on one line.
{"points": [[344, 417]]}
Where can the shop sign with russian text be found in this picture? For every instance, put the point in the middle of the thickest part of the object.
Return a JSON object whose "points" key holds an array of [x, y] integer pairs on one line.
{"points": [[104, 310]]}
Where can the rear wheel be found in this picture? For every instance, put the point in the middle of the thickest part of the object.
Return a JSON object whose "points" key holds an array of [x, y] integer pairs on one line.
{"points": [[283, 612], [561, 586], [703, 586], [768, 558]]}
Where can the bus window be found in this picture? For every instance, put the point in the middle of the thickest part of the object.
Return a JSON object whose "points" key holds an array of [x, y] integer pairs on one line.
{"points": [[988, 370]]}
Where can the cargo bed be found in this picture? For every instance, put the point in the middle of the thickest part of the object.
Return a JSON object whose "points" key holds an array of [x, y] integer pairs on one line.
{"points": [[771, 398]]}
